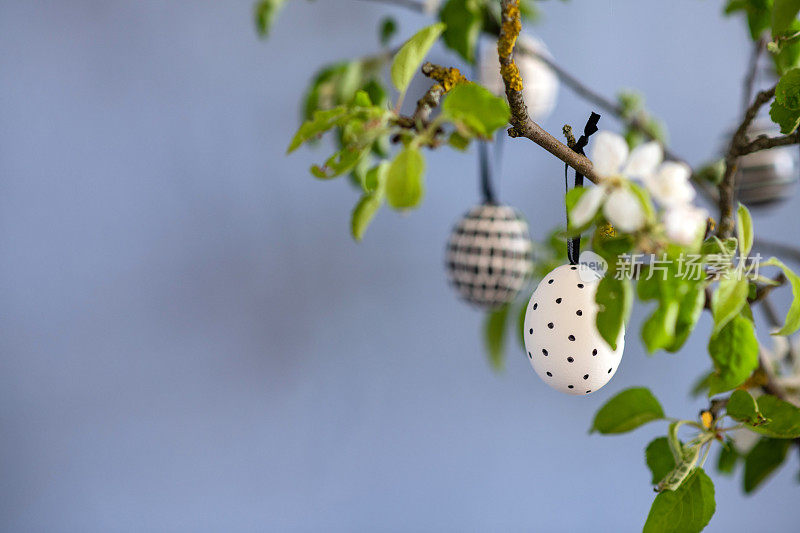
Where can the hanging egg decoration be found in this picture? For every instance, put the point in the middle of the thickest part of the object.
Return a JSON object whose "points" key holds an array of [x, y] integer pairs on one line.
{"points": [[489, 255], [766, 176], [561, 338], [540, 83]]}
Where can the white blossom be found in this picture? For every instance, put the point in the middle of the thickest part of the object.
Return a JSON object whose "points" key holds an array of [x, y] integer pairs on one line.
{"points": [[684, 223], [609, 153], [623, 210], [670, 185], [587, 206]]}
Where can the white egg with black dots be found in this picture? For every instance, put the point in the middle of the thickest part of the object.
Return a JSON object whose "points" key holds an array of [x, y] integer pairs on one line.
{"points": [[561, 338]]}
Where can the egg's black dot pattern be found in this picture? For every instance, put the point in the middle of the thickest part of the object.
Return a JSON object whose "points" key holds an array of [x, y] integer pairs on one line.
{"points": [[586, 376], [535, 306], [550, 282], [489, 255], [594, 352], [530, 331], [609, 370], [570, 386], [549, 375], [579, 312], [570, 359], [580, 285], [571, 337], [550, 325], [558, 300], [588, 391], [544, 352], [573, 268], [529, 355]]}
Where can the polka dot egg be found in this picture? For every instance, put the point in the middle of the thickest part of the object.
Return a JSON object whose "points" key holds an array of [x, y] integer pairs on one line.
{"points": [[561, 338], [489, 255]]}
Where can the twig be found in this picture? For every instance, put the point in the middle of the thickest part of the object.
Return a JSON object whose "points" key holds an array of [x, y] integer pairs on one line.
{"points": [[763, 291], [521, 122], [752, 70], [739, 140], [764, 142]]}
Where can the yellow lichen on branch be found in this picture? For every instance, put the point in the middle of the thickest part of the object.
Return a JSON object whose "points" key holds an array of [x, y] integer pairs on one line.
{"points": [[448, 77], [509, 31]]}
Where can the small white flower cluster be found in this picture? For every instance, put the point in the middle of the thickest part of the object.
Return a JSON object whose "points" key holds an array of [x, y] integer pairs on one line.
{"points": [[667, 181]]}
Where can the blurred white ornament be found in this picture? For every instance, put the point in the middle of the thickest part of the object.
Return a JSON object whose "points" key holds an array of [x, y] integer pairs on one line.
{"points": [[766, 176], [684, 224], [561, 338], [540, 83]]}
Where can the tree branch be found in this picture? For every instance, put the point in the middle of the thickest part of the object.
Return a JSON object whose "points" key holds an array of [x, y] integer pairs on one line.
{"points": [[738, 142], [764, 142], [521, 122]]}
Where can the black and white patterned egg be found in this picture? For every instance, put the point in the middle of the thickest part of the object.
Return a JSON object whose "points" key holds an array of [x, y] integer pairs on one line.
{"points": [[561, 338], [489, 255]]}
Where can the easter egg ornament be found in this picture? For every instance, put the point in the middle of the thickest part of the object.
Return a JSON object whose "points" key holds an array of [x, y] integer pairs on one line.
{"points": [[561, 338]]}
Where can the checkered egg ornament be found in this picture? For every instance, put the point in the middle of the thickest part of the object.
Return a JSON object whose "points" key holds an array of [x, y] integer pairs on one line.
{"points": [[489, 255], [562, 341]]}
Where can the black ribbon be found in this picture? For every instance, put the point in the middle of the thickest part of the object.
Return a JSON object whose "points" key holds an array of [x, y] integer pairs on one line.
{"points": [[574, 244]]}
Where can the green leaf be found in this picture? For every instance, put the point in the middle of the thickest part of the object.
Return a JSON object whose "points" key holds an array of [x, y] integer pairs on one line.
{"points": [[784, 418], [714, 246], [265, 12], [321, 122], [783, 14], [787, 119], [787, 92], [614, 299], [404, 184], [494, 335], [388, 28], [408, 59], [765, 457], [626, 411], [340, 162], [688, 509], [464, 20], [734, 351], [683, 468], [458, 141], [728, 300], [363, 214], [658, 331], [659, 459], [476, 108], [742, 406], [691, 307], [375, 178], [728, 458], [744, 230], [792, 321]]}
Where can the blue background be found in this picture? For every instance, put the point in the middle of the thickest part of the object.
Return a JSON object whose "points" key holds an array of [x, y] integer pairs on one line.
{"points": [[191, 341]]}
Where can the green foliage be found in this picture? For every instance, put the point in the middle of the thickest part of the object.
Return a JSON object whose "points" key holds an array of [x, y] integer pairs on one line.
{"points": [[712, 172], [626, 411], [734, 351], [728, 300], [387, 29], [742, 406], [687, 509], [784, 13], [659, 459], [744, 230], [265, 12], [631, 105], [320, 122], [728, 458], [494, 328], [658, 331], [614, 300], [762, 460], [374, 191], [404, 182], [783, 418], [785, 109], [792, 321], [758, 13], [475, 111], [464, 20], [410, 56]]}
